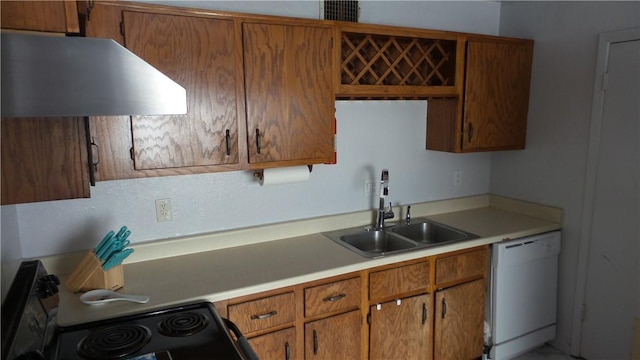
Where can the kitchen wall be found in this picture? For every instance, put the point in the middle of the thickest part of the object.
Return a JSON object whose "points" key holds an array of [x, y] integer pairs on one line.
{"points": [[552, 168], [371, 135]]}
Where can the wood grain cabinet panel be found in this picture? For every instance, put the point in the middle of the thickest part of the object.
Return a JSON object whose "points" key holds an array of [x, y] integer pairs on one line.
{"points": [[278, 345], [496, 100], [491, 113], [263, 313], [43, 159], [46, 16], [397, 281], [289, 95], [335, 296], [335, 337], [461, 266], [400, 329], [197, 53], [459, 320]]}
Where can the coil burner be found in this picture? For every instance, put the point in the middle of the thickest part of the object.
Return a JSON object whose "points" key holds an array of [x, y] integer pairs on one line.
{"points": [[183, 324], [114, 342]]}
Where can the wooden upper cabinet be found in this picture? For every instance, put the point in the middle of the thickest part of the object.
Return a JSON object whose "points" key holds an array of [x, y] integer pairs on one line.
{"points": [[496, 97], [45, 16], [43, 159], [289, 96], [492, 112], [199, 54]]}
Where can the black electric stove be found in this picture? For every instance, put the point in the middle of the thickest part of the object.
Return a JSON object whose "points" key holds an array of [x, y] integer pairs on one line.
{"points": [[190, 331]]}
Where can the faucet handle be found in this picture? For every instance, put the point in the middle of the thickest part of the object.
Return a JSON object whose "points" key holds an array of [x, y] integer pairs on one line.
{"points": [[388, 214], [407, 219]]}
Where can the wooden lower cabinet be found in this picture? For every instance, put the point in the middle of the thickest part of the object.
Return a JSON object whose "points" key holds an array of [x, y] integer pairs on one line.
{"points": [[459, 319], [430, 308], [335, 337], [264, 313], [400, 329], [279, 345]]}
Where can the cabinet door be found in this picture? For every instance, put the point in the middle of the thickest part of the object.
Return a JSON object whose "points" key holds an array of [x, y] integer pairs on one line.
{"points": [[289, 96], [459, 321], [400, 329], [43, 159], [49, 16], [336, 337], [198, 54], [496, 103], [279, 345]]}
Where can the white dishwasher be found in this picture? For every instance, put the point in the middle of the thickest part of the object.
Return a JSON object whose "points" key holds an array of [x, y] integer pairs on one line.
{"points": [[523, 293]]}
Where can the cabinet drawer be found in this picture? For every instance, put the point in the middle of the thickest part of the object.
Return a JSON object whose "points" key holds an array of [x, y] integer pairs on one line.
{"points": [[462, 266], [398, 280], [263, 313], [335, 296]]}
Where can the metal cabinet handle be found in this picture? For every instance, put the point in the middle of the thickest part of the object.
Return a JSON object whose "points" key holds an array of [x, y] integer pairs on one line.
{"points": [[258, 141], [264, 316], [444, 308], [470, 133], [334, 297], [96, 158], [227, 138], [287, 351], [424, 313], [315, 342]]}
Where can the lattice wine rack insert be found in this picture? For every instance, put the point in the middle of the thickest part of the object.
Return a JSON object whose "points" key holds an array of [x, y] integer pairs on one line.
{"points": [[369, 59]]}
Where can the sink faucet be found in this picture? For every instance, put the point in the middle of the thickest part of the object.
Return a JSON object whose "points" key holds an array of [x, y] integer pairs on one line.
{"points": [[384, 191]]}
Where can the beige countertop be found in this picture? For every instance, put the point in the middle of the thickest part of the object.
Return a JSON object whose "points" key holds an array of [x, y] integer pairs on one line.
{"points": [[213, 273]]}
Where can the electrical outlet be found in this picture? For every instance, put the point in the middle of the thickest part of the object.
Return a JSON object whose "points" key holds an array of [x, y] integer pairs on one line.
{"points": [[369, 187], [457, 178], [163, 210]]}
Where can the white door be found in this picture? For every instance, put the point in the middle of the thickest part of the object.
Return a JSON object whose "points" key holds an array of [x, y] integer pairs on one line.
{"points": [[612, 286]]}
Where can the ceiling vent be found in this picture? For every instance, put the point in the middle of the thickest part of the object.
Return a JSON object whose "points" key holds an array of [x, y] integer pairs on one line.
{"points": [[340, 10]]}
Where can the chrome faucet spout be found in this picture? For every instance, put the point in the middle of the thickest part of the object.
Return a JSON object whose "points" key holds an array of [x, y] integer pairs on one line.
{"points": [[384, 192]]}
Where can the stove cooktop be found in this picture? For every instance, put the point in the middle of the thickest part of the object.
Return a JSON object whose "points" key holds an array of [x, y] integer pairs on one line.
{"points": [[185, 332]]}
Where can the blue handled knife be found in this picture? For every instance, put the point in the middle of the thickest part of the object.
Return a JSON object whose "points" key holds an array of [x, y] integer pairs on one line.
{"points": [[104, 241], [116, 259]]}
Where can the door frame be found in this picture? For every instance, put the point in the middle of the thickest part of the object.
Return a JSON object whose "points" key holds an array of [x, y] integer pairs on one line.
{"points": [[605, 40]]}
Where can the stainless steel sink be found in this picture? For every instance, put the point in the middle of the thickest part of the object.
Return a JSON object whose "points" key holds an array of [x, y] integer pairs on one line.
{"points": [[374, 243], [420, 234], [429, 232]]}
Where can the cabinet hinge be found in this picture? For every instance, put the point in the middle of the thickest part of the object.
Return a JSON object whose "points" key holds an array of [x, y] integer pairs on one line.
{"points": [[131, 153], [122, 28], [369, 318]]}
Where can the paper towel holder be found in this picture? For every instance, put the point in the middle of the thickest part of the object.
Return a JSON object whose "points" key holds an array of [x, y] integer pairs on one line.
{"points": [[260, 173]]}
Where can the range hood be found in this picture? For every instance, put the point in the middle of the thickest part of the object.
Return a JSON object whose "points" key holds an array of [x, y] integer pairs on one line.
{"points": [[57, 76]]}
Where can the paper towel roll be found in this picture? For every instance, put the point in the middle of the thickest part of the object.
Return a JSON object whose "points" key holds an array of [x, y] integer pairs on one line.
{"points": [[284, 175]]}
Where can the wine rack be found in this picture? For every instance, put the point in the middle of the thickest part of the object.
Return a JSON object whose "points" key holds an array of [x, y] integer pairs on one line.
{"points": [[382, 60]]}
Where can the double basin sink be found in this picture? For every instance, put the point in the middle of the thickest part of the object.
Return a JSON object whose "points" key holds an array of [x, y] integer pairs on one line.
{"points": [[421, 233]]}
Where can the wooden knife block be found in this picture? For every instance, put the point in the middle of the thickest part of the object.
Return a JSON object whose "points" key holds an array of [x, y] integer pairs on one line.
{"points": [[88, 275]]}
